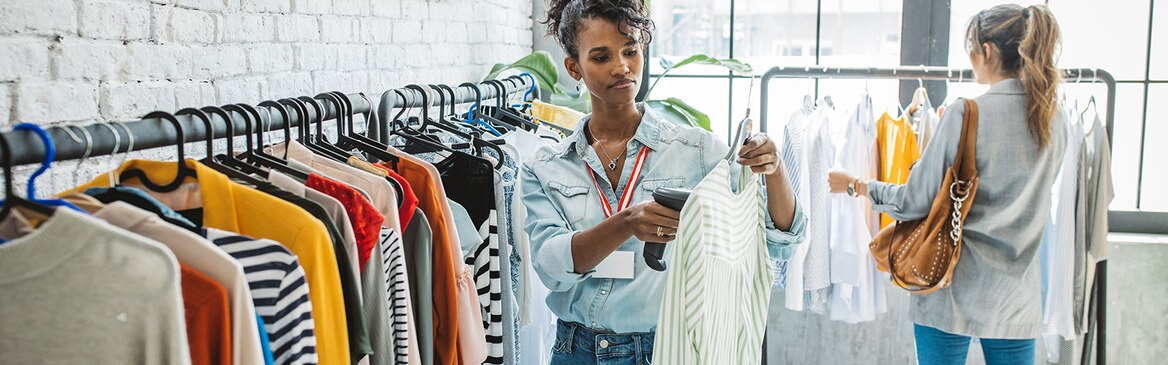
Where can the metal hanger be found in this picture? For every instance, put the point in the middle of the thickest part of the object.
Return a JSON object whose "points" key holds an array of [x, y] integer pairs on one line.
{"points": [[183, 171]]}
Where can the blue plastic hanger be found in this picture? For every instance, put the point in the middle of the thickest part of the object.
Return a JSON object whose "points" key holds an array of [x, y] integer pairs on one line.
{"points": [[50, 154], [471, 119]]}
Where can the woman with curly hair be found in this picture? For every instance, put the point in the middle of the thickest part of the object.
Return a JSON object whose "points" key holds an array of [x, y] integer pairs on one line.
{"points": [[573, 191]]}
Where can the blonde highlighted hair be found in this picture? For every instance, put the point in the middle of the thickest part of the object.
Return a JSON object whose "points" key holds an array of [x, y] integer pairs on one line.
{"points": [[1027, 40]]}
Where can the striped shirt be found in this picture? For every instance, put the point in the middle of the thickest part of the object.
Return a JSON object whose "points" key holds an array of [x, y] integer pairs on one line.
{"points": [[279, 291], [488, 281], [714, 309], [397, 286]]}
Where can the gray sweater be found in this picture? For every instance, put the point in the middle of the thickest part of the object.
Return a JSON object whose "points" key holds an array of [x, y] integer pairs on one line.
{"points": [[995, 291], [78, 291]]}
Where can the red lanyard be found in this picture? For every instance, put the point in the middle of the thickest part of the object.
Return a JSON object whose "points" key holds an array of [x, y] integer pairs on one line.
{"points": [[626, 196]]}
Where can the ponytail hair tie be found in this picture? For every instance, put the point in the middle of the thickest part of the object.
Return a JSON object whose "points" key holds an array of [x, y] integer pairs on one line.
{"points": [[1026, 13]]}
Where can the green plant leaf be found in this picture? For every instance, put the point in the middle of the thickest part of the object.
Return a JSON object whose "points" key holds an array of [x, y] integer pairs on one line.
{"points": [[678, 111], [539, 64], [728, 63]]}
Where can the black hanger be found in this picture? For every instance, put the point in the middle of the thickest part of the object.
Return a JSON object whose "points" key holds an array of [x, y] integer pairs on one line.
{"points": [[210, 161], [258, 156], [321, 140], [305, 124], [183, 171], [427, 122], [347, 104], [478, 108], [352, 139], [475, 141], [229, 159], [501, 112], [11, 200], [415, 140]]}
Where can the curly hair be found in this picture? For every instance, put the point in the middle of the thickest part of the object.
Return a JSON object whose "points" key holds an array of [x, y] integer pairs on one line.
{"points": [[564, 17]]}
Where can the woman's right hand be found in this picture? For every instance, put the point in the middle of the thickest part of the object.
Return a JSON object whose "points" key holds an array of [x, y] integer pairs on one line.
{"points": [[643, 219]]}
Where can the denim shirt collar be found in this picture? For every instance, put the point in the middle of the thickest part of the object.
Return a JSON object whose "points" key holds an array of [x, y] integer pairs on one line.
{"points": [[649, 133]]}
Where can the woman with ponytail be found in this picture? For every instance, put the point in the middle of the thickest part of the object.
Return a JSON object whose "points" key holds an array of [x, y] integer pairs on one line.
{"points": [[586, 243], [995, 293]]}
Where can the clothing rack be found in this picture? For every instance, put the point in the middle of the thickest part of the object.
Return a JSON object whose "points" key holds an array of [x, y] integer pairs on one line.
{"points": [[407, 98], [1076, 75], [156, 132], [149, 133]]}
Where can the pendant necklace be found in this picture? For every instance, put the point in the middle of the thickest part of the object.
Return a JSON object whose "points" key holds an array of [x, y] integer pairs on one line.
{"points": [[611, 161]]}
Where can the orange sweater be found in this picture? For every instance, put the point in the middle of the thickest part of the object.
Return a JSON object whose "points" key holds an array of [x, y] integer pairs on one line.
{"points": [[208, 321]]}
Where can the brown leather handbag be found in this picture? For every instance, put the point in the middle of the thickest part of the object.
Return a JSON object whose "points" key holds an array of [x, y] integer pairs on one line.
{"points": [[921, 254]]}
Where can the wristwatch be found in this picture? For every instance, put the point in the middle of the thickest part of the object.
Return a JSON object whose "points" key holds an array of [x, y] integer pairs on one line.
{"points": [[852, 188]]}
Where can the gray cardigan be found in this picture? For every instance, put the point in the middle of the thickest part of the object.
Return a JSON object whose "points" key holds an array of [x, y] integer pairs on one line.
{"points": [[995, 291]]}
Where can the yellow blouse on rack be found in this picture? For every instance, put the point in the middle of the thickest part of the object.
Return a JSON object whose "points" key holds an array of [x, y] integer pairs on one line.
{"points": [[898, 150], [563, 117]]}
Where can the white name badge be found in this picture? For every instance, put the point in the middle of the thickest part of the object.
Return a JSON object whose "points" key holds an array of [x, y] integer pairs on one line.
{"points": [[618, 265]]}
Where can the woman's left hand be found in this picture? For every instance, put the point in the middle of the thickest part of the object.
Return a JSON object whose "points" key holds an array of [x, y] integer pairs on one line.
{"points": [[760, 153]]}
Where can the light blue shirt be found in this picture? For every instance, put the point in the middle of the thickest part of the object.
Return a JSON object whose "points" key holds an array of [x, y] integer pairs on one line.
{"points": [[561, 200]]}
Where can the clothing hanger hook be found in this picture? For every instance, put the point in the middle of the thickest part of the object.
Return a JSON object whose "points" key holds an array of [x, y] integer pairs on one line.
{"points": [[84, 156], [117, 144]]}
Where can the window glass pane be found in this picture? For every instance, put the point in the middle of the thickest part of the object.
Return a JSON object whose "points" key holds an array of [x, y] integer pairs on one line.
{"points": [[708, 95], [1160, 43], [1125, 148], [786, 96], [862, 33], [689, 27], [1121, 49], [1154, 196], [770, 33]]}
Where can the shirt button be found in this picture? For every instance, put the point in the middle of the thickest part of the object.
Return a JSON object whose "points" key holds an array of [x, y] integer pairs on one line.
{"points": [[593, 324], [603, 344], [604, 292]]}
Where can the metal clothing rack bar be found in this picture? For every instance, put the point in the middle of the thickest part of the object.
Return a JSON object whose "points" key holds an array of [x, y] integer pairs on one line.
{"points": [[393, 99], [1077, 75], [148, 133]]}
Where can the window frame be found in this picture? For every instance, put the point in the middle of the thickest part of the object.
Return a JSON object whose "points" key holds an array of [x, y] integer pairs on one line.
{"points": [[937, 26]]}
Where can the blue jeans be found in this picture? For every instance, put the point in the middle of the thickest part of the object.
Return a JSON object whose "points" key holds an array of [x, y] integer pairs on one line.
{"points": [[936, 347], [579, 345]]}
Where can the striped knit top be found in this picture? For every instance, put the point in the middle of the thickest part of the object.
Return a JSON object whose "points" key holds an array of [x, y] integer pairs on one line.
{"points": [[279, 291]]}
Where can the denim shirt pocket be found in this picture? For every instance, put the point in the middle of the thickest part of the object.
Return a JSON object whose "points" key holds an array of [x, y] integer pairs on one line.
{"points": [[572, 199]]}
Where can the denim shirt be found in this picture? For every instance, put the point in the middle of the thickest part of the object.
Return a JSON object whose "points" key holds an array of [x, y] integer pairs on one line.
{"points": [[562, 200]]}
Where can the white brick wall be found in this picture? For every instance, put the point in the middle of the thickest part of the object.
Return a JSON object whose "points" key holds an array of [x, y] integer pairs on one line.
{"points": [[86, 61]]}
